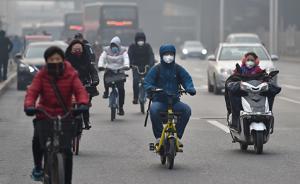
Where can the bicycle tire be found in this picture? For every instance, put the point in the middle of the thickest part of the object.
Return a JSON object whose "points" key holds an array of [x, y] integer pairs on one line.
{"points": [[47, 174], [113, 113], [171, 152], [76, 142], [58, 169], [142, 106]]}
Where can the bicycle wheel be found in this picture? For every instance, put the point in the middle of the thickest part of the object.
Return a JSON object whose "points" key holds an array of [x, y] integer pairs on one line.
{"points": [[142, 105], [76, 141], [113, 113], [171, 153], [58, 169], [47, 174]]}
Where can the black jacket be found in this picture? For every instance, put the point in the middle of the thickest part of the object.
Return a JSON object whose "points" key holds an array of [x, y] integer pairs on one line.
{"points": [[141, 55], [6, 47], [87, 71]]}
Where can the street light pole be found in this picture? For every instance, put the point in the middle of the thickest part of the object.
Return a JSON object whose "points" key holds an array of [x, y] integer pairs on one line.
{"points": [[273, 37], [221, 20]]}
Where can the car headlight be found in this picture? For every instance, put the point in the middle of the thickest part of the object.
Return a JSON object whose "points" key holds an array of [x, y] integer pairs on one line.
{"points": [[204, 51], [225, 71], [185, 51]]}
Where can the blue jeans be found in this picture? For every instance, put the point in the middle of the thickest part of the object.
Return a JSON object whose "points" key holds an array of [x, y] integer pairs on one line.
{"points": [[156, 119]]}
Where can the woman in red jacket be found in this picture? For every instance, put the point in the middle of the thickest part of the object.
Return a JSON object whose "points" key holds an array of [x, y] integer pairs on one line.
{"points": [[68, 82]]}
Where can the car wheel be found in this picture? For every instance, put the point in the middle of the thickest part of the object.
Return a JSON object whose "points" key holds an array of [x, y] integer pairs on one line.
{"points": [[209, 85], [217, 91]]}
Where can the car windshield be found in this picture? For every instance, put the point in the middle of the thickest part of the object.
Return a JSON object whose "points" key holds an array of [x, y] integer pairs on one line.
{"points": [[37, 51], [237, 53], [193, 44], [246, 40]]}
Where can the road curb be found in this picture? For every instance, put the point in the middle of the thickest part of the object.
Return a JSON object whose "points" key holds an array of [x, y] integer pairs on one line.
{"points": [[11, 79]]}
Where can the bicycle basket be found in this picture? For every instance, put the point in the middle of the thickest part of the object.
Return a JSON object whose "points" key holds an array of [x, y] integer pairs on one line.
{"points": [[115, 77], [45, 131]]}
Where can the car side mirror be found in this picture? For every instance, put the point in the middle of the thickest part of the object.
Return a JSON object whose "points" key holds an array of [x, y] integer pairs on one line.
{"points": [[19, 56], [274, 58], [211, 58]]}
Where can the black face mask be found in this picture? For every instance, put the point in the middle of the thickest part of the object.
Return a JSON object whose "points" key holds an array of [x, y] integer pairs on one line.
{"points": [[55, 69]]}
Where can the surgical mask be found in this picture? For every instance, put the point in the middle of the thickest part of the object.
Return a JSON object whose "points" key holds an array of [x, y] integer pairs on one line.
{"points": [[55, 69], [115, 50], [140, 43], [168, 59], [250, 64]]}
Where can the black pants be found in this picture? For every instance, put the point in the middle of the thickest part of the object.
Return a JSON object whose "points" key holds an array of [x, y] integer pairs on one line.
{"points": [[38, 154], [3, 68], [136, 79], [86, 115], [120, 87]]}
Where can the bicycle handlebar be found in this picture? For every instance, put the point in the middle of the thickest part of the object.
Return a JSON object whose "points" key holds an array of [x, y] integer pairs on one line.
{"points": [[54, 117], [138, 70]]}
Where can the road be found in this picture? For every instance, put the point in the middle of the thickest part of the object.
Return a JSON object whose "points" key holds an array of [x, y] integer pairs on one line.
{"points": [[117, 153]]}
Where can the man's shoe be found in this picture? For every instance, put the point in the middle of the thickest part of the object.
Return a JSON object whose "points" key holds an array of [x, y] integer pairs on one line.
{"points": [[180, 143], [121, 111], [135, 101], [87, 126], [105, 95], [37, 174]]}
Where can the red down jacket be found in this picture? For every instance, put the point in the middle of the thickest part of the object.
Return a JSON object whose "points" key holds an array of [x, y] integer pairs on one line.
{"points": [[69, 84]]}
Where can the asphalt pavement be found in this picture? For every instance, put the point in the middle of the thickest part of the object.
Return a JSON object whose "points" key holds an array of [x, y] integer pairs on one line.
{"points": [[117, 152]]}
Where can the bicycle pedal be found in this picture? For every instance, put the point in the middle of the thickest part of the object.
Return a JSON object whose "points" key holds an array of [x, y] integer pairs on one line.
{"points": [[151, 147], [180, 150]]}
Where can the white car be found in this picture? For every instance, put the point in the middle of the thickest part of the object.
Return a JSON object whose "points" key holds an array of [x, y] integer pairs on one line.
{"points": [[222, 64], [243, 38]]}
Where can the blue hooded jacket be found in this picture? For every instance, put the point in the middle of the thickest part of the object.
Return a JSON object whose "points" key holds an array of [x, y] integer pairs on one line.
{"points": [[167, 77]]}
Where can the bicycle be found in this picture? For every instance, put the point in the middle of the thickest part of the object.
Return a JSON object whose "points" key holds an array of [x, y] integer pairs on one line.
{"points": [[142, 92], [168, 146], [55, 136], [79, 123], [113, 79]]}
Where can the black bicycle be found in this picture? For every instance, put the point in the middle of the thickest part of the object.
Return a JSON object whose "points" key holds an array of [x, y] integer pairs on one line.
{"points": [[56, 135]]}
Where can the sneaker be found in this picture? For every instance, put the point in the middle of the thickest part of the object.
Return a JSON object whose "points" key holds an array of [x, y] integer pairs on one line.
{"points": [[135, 101], [37, 174], [105, 95], [87, 126], [180, 143], [121, 111]]}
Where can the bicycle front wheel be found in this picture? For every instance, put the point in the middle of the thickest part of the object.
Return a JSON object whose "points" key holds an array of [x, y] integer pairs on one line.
{"points": [[113, 113], [171, 153], [58, 169]]}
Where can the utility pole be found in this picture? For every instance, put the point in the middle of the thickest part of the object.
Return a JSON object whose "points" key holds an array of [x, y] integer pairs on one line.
{"points": [[273, 27], [222, 6]]}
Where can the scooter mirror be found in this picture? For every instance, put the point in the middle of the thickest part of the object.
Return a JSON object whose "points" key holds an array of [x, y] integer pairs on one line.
{"points": [[273, 73]]}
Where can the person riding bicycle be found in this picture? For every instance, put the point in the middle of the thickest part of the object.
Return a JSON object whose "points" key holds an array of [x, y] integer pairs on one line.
{"points": [[79, 58], [40, 94], [168, 76], [114, 57], [250, 69], [88, 47], [140, 55]]}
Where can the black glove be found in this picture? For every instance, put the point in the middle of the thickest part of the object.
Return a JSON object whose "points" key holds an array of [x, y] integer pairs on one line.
{"points": [[30, 111], [192, 92], [101, 69]]}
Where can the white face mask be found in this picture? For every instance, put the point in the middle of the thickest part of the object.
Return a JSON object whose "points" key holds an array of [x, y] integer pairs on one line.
{"points": [[168, 59], [250, 64], [140, 43]]}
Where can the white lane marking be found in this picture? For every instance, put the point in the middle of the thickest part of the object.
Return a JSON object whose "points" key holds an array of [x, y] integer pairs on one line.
{"points": [[289, 100], [219, 125], [291, 87]]}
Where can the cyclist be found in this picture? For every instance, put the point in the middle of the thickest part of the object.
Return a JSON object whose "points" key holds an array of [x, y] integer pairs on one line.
{"points": [[41, 91], [168, 76], [140, 54], [78, 56], [114, 57], [88, 47]]}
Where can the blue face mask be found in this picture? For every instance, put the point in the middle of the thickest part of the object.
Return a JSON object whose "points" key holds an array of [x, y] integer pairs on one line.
{"points": [[115, 50]]}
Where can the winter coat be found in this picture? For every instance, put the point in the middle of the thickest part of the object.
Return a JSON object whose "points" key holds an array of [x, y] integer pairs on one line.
{"points": [[6, 47], [68, 84], [113, 61], [167, 79]]}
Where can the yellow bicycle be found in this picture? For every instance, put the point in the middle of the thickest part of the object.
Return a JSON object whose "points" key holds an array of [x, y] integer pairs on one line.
{"points": [[169, 145]]}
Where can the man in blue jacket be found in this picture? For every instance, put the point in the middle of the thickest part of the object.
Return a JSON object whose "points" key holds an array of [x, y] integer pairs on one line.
{"points": [[168, 76]]}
